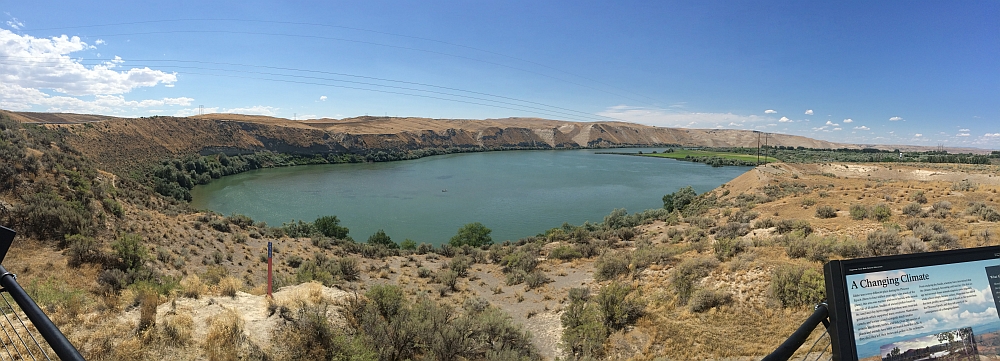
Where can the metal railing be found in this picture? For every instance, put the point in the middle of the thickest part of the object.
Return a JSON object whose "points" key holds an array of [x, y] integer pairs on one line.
{"points": [[17, 337], [794, 342]]}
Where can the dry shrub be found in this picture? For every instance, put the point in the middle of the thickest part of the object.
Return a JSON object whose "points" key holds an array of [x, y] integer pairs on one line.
{"points": [[226, 340], [149, 299], [229, 286], [688, 273], [826, 212], [883, 243], [912, 245], [610, 265], [192, 287], [176, 329], [309, 335], [796, 285], [705, 299], [307, 294]]}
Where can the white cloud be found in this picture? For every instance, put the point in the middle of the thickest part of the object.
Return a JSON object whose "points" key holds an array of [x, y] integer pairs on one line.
{"points": [[784, 120], [670, 118], [838, 128], [895, 119], [832, 123], [34, 65], [963, 130], [254, 110], [45, 64], [862, 128], [322, 98], [770, 111], [848, 120], [962, 134], [809, 112], [13, 23], [100, 42], [992, 135], [14, 97], [918, 135]]}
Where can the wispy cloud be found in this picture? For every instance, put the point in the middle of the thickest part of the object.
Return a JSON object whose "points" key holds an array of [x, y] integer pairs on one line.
{"points": [[13, 23], [809, 112], [254, 110], [770, 111], [962, 135], [918, 135], [895, 119], [992, 135], [669, 118], [862, 128], [963, 130]]}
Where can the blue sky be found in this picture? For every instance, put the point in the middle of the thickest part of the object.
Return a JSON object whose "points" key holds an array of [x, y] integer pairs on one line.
{"points": [[925, 73]]}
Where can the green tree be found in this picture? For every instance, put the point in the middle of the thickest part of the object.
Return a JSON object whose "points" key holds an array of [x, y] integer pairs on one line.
{"points": [[130, 251], [679, 199], [330, 226], [382, 239], [408, 244], [473, 234]]}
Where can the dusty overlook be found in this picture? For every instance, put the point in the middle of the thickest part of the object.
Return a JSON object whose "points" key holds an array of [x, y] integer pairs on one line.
{"points": [[763, 210]]}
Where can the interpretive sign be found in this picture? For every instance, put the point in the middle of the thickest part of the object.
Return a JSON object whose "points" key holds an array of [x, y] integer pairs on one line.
{"points": [[926, 306]]}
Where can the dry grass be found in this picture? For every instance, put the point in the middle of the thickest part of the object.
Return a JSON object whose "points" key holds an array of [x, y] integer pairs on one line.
{"points": [[227, 341], [228, 286], [192, 287]]}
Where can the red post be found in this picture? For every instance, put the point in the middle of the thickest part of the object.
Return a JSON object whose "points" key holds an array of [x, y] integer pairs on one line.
{"points": [[269, 270]]}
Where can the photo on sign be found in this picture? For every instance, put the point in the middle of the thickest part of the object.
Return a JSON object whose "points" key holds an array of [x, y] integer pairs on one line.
{"points": [[956, 345]]}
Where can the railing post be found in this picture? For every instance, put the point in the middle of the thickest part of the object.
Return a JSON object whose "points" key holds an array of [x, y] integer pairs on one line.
{"points": [[788, 348], [63, 348], [269, 279]]}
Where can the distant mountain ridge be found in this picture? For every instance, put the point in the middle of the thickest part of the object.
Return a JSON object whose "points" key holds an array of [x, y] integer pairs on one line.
{"points": [[119, 143]]}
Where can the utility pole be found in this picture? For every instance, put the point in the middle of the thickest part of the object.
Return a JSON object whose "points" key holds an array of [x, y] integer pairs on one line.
{"points": [[201, 110], [765, 147], [758, 146]]}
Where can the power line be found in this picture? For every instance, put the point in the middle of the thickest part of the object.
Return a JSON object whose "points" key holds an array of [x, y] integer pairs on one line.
{"points": [[374, 32], [549, 112], [368, 43]]}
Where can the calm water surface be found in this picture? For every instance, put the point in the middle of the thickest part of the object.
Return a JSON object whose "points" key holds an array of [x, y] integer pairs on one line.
{"points": [[514, 193]]}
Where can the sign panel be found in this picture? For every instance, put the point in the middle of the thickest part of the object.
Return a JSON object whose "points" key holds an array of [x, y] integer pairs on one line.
{"points": [[935, 305]]}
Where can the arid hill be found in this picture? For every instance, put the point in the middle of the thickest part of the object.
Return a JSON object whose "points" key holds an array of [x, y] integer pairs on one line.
{"points": [[118, 142]]}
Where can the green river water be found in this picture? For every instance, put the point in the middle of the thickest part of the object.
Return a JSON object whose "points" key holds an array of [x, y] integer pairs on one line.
{"points": [[514, 193]]}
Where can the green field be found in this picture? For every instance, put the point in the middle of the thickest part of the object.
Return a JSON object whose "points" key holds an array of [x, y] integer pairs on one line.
{"points": [[685, 153]]}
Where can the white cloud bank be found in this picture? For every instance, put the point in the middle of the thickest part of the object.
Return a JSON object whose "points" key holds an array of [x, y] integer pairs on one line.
{"points": [[667, 118], [254, 110], [32, 65]]}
